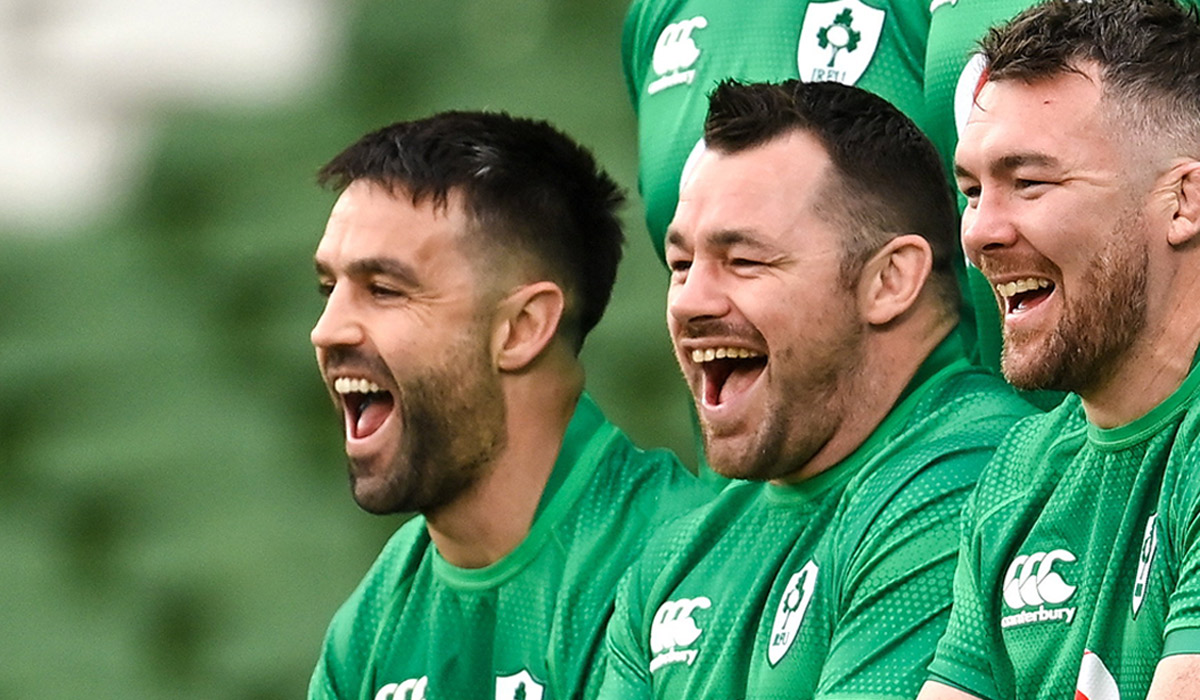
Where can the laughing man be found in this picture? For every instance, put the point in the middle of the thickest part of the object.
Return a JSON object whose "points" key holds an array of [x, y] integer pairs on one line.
{"points": [[812, 306], [466, 258], [1080, 569]]}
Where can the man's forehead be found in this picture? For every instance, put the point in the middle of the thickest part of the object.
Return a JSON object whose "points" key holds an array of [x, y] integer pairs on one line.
{"points": [[781, 173], [371, 221], [1016, 123]]}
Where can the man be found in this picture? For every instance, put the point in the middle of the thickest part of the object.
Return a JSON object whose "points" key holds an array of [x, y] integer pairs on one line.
{"points": [[1081, 167], [952, 70], [812, 306], [464, 262], [675, 51]]}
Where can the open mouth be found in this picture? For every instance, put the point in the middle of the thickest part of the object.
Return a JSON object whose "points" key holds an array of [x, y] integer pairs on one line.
{"points": [[727, 372], [1024, 294], [367, 406]]}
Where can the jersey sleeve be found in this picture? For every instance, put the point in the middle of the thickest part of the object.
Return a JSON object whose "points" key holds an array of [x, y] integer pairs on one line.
{"points": [[894, 599], [625, 661], [348, 644], [1182, 632], [961, 658]]}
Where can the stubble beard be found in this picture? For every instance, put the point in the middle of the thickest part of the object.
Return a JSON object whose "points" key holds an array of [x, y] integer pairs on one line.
{"points": [[1099, 323], [803, 410], [454, 428]]}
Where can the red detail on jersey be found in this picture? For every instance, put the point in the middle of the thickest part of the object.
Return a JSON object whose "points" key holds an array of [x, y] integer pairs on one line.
{"points": [[1095, 682]]}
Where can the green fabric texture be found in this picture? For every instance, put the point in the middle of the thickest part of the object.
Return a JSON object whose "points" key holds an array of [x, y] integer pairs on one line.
{"points": [[1078, 565], [530, 625], [836, 585]]}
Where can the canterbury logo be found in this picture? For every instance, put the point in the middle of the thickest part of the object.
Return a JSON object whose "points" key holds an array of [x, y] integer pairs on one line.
{"points": [[1032, 582], [672, 628], [411, 689], [675, 52]]}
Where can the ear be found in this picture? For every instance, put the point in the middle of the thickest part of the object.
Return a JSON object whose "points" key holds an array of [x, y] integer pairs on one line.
{"points": [[1185, 187], [893, 278], [526, 322]]}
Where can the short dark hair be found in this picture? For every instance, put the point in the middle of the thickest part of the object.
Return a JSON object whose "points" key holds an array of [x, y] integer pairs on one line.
{"points": [[888, 179], [1148, 53], [525, 185]]}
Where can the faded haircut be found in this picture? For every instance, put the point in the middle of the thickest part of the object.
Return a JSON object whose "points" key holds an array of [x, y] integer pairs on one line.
{"points": [[887, 179], [527, 188], [1148, 53]]}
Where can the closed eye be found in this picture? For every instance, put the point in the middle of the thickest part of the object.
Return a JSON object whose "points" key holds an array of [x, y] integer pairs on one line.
{"points": [[385, 292]]}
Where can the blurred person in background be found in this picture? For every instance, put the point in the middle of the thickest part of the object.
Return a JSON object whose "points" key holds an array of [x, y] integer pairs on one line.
{"points": [[813, 308], [466, 259]]}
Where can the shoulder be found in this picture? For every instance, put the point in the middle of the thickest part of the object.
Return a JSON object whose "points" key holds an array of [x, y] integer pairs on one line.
{"points": [[644, 21], [652, 486], [929, 467], [393, 568], [685, 542], [353, 630], [971, 399]]}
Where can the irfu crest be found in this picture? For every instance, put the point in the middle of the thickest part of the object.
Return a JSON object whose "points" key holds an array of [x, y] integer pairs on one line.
{"points": [[838, 40], [839, 35]]}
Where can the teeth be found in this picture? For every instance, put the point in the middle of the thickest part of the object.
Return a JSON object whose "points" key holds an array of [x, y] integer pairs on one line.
{"points": [[1024, 285], [710, 354], [346, 385]]}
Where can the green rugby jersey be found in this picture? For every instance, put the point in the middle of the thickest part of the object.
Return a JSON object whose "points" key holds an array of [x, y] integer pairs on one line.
{"points": [[676, 51], [1079, 564], [839, 584], [529, 626]]}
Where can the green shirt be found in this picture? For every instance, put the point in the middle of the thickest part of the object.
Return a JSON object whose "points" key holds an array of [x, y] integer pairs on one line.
{"points": [[676, 51], [839, 584], [528, 626], [1078, 567]]}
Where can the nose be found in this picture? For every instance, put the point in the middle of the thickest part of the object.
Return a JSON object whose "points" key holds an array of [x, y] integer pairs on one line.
{"points": [[699, 295], [337, 325], [987, 227]]}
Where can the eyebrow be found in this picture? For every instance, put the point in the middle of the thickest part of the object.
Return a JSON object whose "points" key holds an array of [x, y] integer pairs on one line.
{"points": [[365, 267], [1010, 163], [720, 239]]}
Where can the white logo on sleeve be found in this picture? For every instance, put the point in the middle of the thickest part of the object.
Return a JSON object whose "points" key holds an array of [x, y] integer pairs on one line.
{"points": [[1095, 681], [838, 40], [519, 686], [674, 628], [1032, 582], [1145, 562], [791, 611], [675, 53], [411, 689]]}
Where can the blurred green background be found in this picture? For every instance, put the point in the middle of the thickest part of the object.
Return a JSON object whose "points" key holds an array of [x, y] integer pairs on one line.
{"points": [[174, 516]]}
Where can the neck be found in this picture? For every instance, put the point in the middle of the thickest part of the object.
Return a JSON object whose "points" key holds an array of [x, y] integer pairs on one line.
{"points": [[489, 521], [890, 360], [1153, 366]]}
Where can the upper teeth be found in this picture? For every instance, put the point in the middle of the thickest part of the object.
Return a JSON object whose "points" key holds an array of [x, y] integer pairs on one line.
{"points": [[1010, 288], [346, 385], [711, 354]]}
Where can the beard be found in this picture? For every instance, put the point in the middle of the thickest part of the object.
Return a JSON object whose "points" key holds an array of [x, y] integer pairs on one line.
{"points": [[454, 422], [1099, 322], [807, 389]]}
